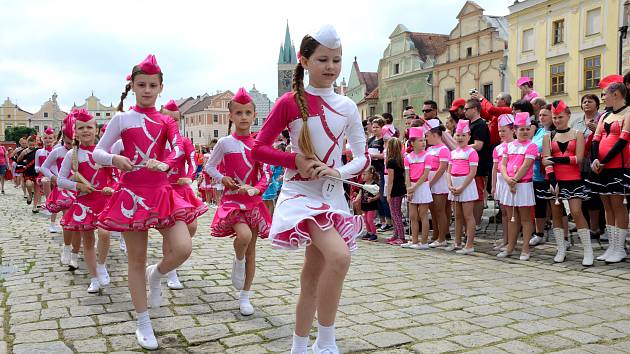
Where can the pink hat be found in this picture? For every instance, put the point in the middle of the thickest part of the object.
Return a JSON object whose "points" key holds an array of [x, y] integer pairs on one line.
{"points": [[49, 131], [128, 77], [522, 119], [171, 106], [432, 123], [506, 119], [416, 132], [68, 126], [463, 126], [607, 80], [82, 114], [560, 107], [103, 128], [242, 96], [150, 66], [388, 131], [523, 80]]}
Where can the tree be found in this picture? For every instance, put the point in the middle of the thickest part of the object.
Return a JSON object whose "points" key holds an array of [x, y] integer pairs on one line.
{"points": [[15, 133]]}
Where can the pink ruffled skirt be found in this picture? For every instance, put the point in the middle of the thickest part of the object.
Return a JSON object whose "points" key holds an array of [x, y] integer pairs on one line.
{"points": [[83, 214], [256, 216], [186, 192], [59, 200]]}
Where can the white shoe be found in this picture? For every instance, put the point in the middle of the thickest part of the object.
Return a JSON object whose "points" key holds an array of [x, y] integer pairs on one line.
{"points": [[238, 274], [65, 255], [466, 251], [436, 244], [329, 349], [618, 253], [173, 282], [155, 290], [45, 211], [147, 342], [524, 257], [610, 234], [94, 286], [419, 246], [499, 247], [246, 308], [54, 229], [102, 274], [407, 245], [74, 261], [452, 248], [536, 240], [504, 254], [561, 248], [585, 239]]}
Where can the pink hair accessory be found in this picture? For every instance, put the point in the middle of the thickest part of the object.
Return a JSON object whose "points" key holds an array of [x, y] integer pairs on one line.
{"points": [[49, 131], [82, 114], [128, 78], [171, 106], [463, 126], [242, 96], [299, 55], [149, 65], [523, 80], [506, 119], [522, 119], [68, 126], [103, 128], [416, 132]]}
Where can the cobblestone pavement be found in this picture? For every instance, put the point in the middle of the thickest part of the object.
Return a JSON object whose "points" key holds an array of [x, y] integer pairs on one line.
{"points": [[394, 300]]}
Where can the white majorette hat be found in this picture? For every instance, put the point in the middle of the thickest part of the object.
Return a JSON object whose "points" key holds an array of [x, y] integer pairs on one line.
{"points": [[327, 36]]}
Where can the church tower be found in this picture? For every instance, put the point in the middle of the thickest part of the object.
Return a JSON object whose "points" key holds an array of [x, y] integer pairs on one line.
{"points": [[287, 60]]}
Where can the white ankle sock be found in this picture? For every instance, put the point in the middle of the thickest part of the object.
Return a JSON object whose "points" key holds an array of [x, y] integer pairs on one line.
{"points": [[299, 344], [143, 322], [325, 335], [172, 275], [155, 277], [100, 267]]}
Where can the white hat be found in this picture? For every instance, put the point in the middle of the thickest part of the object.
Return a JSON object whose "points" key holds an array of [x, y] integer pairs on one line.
{"points": [[327, 36]]}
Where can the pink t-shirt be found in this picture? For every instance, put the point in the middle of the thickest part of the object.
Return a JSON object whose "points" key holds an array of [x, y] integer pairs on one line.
{"points": [[436, 154], [462, 159], [497, 155], [516, 154], [3, 154], [416, 164], [530, 96]]}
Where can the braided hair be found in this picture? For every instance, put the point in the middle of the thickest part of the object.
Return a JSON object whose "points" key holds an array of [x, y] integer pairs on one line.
{"points": [[307, 48], [135, 71]]}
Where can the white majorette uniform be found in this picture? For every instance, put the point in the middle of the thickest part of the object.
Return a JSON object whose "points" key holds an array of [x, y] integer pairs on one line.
{"points": [[331, 117], [516, 154], [437, 154], [416, 164], [59, 199], [501, 186]]}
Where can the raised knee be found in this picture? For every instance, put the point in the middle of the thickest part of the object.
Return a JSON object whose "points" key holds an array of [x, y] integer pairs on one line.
{"points": [[339, 261]]}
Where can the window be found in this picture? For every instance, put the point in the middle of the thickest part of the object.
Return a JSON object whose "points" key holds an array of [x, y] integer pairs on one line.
{"points": [[450, 97], [529, 73], [557, 32], [216, 133], [396, 69], [200, 133], [592, 21], [557, 79], [45, 114], [37, 128], [98, 114], [487, 90], [389, 107], [8, 116], [405, 103], [107, 114], [592, 72], [256, 122], [372, 111], [215, 118], [45, 127], [469, 52], [528, 40]]}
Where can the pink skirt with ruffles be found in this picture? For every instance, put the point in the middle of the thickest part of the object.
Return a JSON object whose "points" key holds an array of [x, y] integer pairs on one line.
{"points": [[59, 200], [83, 214], [186, 192], [227, 214]]}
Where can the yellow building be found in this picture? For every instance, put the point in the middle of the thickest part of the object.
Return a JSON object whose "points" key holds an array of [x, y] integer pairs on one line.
{"points": [[566, 46], [101, 112], [11, 115]]}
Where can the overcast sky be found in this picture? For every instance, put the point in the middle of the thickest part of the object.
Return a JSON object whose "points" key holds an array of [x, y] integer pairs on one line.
{"points": [[74, 47]]}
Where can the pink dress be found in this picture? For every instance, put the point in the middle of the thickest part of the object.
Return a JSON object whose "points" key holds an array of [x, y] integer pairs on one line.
{"points": [[40, 158], [437, 154], [234, 152], [516, 153], [59, 199], [144, 199], [83, 214], [185, 168], [331, 119], [501, 186], [416, 164], [461, 161]]}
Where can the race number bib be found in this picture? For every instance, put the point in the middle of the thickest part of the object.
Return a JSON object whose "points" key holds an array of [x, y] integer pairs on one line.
{"points": [[331, 188]]}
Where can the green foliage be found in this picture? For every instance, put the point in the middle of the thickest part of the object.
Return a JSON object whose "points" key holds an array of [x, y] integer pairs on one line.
{"points": [[15, 133]]}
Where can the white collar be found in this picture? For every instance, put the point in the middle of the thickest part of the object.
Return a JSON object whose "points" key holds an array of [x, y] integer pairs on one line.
{"points": [[320, 91]]}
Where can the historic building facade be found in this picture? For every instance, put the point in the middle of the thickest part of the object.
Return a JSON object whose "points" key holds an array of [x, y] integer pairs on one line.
{"points": [[48, 115], [287, 60], [263, 107], [405, 70], [566, 46], [475, 57], [360, 85], [208, 119], [101, 112], [11, 115]]}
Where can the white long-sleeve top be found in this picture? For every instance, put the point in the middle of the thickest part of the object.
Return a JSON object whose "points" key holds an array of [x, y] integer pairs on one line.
{"points": [[51, 165]]}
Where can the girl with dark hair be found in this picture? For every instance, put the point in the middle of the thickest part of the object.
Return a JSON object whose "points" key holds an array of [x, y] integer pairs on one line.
{"points": [[43, 183], [311, 210], [395, 189], [27, 159]]}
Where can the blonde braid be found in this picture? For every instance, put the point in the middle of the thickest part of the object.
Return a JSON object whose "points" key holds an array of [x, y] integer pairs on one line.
{"points": [[304, 142]]}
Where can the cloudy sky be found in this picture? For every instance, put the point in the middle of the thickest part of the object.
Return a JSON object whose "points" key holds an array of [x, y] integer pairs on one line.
{"points": [[74, 47]]}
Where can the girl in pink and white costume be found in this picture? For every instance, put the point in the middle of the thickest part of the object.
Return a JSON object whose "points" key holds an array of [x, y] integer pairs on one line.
{"points": [[417, 170], [526, 85], [59, 200], [181, 178], [438, 156], [311, 210], [92, 183], [517, 170], [144, 199], [241, 212], [460, 177], [506, 133], [42, 183]]}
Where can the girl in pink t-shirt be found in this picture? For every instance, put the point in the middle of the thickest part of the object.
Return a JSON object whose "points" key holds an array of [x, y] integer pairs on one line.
{"points": [[517, 170], [460, 177], [506, 133], [417, 169]]}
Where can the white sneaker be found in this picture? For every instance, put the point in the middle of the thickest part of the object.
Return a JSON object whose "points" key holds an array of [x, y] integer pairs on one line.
{"points": [[65, 255], [407, 245], [329, 349], [436, 244], [94, 286], [44, 211], [524, 257], [74, 260], [102, 274], [452, 248], [466, 251], [246, 308], [147, 342], [503, 254], [420, 246], [155, 290], [54, 229], [536, 240], [238, 274], [499, 248], [173, 282]]}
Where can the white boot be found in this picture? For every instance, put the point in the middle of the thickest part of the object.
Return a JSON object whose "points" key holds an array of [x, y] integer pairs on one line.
{"points": [[238, 273], [245, 306], [558, 234], [619, 252], [65, 254], [74, 261], [610, 233], [585, 239]]}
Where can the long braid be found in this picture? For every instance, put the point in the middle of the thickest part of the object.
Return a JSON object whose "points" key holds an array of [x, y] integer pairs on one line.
{"points": [[305, 143], [230, 127], [123, 96], [76, 176]]}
